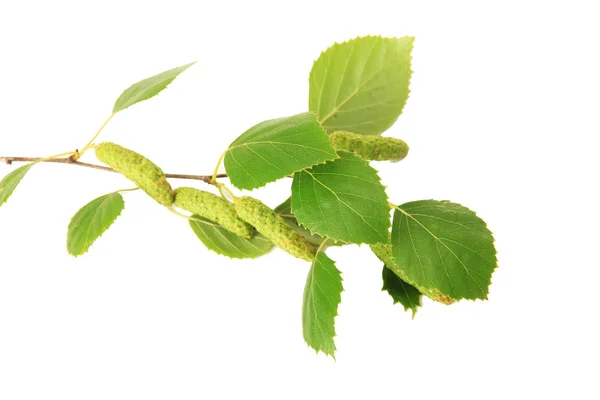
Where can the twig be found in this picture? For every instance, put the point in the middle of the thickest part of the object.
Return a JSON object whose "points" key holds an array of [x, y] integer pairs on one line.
{"points": [[70, 161]]}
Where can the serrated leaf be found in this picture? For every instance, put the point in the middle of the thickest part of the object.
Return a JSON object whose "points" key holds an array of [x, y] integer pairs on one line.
{"points": [[285, 211], [276, 148], [343, 200], [361, 85], [402, 292], [226, 243], [147, 88], [443, 248], [91, 221], [322, 295], [9, 183]]}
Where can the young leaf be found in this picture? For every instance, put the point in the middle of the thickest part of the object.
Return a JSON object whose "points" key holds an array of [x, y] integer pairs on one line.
{"points": [[11, 181], [226, 243], [147, 88], [361, 85], [443, 248], [322, 295], [276, 148], [342, 200], [402, 292], [92, 221]]}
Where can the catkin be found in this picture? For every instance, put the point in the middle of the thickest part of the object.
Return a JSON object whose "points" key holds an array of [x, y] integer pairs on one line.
{"points": [[212, 207], [375, 148], [274, 227], [383, 251], [137, 168]]}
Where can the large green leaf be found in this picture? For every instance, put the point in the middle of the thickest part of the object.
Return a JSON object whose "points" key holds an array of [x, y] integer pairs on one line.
{"points": [[444, 249], [342, 200], [92, 221], [276, 148], [322, 295], [11, 181], [147, 88], [226, 243], [361, 85], [402, 292]]}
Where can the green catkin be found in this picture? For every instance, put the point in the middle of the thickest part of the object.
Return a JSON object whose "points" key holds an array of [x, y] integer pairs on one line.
{"points": [[212, 207], [137, 168], [274, 228], [375, 148], [383, 251]]}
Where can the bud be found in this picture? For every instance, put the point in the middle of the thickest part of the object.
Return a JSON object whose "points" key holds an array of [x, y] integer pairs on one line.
{"points": [[274, 228], [375, 148], [137, 168], [212, 207]]}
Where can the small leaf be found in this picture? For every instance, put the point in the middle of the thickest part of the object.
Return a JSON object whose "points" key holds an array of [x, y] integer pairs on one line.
{"points": [[276, 148], [92, 221], [226, 243], [322, 295], [361, 85], [402, 292], [443, 249], [147, 88], [11, 181], [342, 200]]}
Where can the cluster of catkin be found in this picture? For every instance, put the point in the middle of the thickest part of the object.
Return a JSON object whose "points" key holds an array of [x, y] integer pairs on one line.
{"points": [[244, 215]]}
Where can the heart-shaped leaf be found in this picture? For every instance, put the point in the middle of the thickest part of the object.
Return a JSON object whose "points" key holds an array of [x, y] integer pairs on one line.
{"points": [[443, 249]]}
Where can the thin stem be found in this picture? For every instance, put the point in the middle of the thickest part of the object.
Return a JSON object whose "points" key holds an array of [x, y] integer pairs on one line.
{"points": [[174, 211], [222, 187], [70, 161], [181, 215], [215, 173], [89, 145], [44, 159], [127, 190], [321, 246], [287, 215]]}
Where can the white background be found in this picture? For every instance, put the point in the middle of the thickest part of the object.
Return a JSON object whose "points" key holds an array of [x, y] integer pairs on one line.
{"points": [[503, 118]]}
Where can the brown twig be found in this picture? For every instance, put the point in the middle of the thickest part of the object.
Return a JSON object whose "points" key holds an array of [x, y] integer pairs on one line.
{"points": [[70, 161]]}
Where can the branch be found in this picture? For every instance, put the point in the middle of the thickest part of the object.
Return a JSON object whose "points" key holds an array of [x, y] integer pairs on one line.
{"points": [[70, 161]]}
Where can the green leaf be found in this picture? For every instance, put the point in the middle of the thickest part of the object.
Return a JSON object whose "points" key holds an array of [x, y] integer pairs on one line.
{"points": [[226, 243], [11, 181], [322, 295], [402, 292], [343, 200], [147, 88], [285, 211], [361, 85], [92, 221], [276, 148], [443, 249]]}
